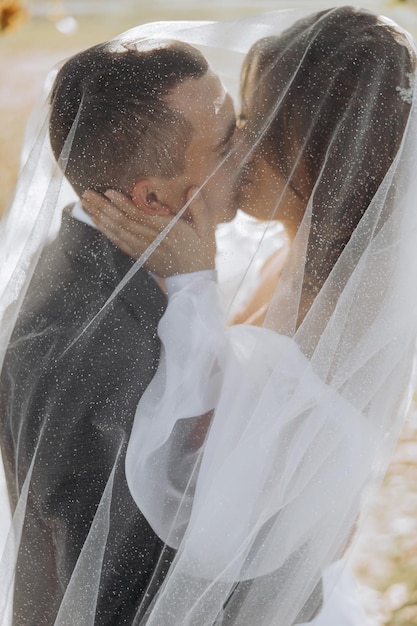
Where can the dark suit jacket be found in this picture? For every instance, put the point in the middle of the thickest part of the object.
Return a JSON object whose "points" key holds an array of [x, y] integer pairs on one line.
{"points": [[71, 397]]}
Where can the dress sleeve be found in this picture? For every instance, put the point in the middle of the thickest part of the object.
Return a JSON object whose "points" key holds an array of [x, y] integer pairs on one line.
{"points": [[173, 415], [192, 335]]}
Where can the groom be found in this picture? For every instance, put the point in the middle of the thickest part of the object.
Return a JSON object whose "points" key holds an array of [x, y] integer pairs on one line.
{"points": [[148, 123]]}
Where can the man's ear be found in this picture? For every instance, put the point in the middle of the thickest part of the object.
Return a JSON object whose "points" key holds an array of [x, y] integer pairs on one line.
{"points": [[146, 196]]}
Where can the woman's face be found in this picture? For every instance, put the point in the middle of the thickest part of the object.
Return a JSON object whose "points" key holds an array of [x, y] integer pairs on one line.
{"points": [[263, 192], [261, 189]]}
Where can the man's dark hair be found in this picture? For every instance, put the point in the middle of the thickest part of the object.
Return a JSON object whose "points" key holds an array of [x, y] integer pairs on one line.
{"points": [[110, 122]]}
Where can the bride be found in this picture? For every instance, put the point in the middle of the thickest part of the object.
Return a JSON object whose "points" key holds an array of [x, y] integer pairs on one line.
{"points": [[253, 449]]}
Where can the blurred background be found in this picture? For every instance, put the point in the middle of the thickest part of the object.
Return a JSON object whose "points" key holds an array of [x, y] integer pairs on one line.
{"points": [[34, 36]]}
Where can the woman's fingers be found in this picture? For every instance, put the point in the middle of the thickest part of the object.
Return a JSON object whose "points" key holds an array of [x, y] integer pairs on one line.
{"points": [[188, 246], [94, 203], [112, 203], [123, 202], [110, 218]]}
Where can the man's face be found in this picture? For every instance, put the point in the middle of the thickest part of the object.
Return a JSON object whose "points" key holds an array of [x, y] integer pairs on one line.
{"points": [[209, 110]]}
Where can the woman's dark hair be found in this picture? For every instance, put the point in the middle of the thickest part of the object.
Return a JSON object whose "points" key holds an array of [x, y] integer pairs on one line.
{"points": [[330, 99]]}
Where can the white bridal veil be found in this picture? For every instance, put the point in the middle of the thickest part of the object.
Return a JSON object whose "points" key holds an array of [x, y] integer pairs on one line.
{"points": [[250, 449]]}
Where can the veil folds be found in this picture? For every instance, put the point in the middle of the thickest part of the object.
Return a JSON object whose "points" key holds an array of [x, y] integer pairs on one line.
{"points": [[250, 450]]}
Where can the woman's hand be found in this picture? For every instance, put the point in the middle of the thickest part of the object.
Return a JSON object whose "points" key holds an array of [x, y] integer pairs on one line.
{"points": [[189, 246]]}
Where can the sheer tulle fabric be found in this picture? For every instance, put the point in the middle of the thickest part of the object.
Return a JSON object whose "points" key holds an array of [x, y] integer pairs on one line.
{"points": [[253, 449]]}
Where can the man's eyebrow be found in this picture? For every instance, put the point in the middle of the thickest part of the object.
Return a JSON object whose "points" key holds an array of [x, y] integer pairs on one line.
{"points": [[228, 135]]}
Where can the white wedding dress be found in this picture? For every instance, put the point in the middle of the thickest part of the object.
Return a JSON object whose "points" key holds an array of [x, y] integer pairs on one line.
{"points": [[236, 243], [197, 346]]}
